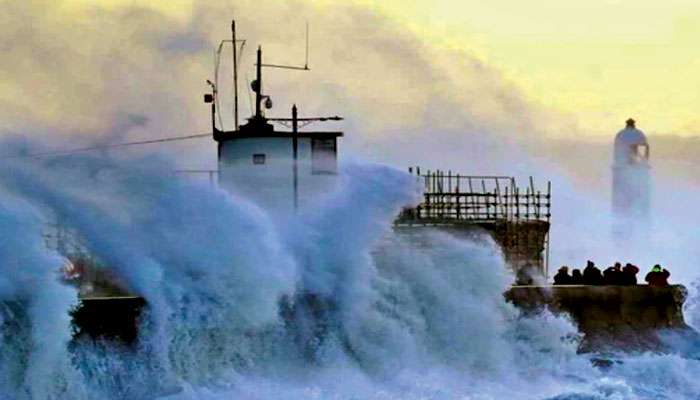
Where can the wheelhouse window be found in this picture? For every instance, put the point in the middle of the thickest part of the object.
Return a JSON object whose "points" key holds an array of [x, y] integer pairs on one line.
{"points": [[258, 159], [323, 156]]}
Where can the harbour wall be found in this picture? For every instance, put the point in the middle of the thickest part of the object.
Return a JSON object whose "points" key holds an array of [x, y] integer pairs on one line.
{"points": [[611, 318]]}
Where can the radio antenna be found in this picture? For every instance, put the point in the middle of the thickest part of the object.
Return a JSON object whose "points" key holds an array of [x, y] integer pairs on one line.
{"points": [[306, 59], [235, 75], [306, 63], [237, 52]]}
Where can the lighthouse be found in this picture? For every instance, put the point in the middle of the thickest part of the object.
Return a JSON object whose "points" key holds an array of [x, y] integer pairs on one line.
{"points": [[631, 181]]}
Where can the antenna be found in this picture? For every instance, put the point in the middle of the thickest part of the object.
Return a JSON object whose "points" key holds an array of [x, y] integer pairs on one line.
{"points": [[306, 59], [256, 85], [217, 64], [235, 74], [217, 61], [306, 63]]}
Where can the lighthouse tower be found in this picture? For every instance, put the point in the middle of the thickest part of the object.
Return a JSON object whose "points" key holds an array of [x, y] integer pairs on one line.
{"points": [[631, 181]]}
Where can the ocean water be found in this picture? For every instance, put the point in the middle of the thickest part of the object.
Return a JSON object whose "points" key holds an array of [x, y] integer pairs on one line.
{"points": [[394, 317]]}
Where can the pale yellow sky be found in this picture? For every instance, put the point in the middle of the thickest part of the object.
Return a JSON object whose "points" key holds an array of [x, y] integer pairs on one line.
{"points": [[597, 60]]}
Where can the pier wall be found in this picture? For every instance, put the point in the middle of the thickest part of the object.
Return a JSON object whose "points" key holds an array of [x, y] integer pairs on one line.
{"points": [[630, 318], [610, 318], [522, 243]]}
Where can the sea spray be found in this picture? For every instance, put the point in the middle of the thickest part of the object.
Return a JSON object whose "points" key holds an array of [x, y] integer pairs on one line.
{"points": [[195, 253], [337, 265], [35, 325], [416, 316], [210, 268]]}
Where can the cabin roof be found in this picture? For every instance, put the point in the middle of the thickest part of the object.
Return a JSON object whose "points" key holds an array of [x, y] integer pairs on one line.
{"points": [[232, 135]]}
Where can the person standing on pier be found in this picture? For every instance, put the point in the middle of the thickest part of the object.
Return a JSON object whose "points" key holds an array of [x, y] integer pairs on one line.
{"points": [[592, 275], [629, 274], [562, 277], [657, 276], [613, 275], [576, 277]]}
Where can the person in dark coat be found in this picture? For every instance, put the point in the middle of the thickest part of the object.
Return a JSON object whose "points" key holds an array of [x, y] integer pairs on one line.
{"points": [[629, 274], [657, 276], [562, 277], [576, 277], [592, 275], [613, 275]]}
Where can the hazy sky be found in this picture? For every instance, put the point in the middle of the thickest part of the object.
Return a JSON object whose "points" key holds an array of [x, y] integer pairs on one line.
{"points": [[541, 68], [595, 61], [599, 60], [480, 87]]}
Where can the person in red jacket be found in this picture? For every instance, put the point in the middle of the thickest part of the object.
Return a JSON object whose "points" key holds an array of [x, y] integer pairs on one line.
{"points": [[657, 276]]}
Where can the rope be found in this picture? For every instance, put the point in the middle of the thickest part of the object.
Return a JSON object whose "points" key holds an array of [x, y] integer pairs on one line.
{"points": [[108, 146]]}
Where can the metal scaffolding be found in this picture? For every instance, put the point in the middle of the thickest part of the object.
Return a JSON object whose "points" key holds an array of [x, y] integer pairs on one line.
{"points": [[448, 196], [518, 218]]}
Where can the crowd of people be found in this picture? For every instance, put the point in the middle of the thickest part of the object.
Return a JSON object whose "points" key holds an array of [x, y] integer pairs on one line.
{"points": [[615, 275]]}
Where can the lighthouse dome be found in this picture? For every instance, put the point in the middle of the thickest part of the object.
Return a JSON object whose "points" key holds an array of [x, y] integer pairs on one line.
{"points": [[631, 145]]}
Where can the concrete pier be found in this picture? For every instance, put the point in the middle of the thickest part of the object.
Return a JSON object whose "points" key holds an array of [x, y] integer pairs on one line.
{"points": [[611, 318]]}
